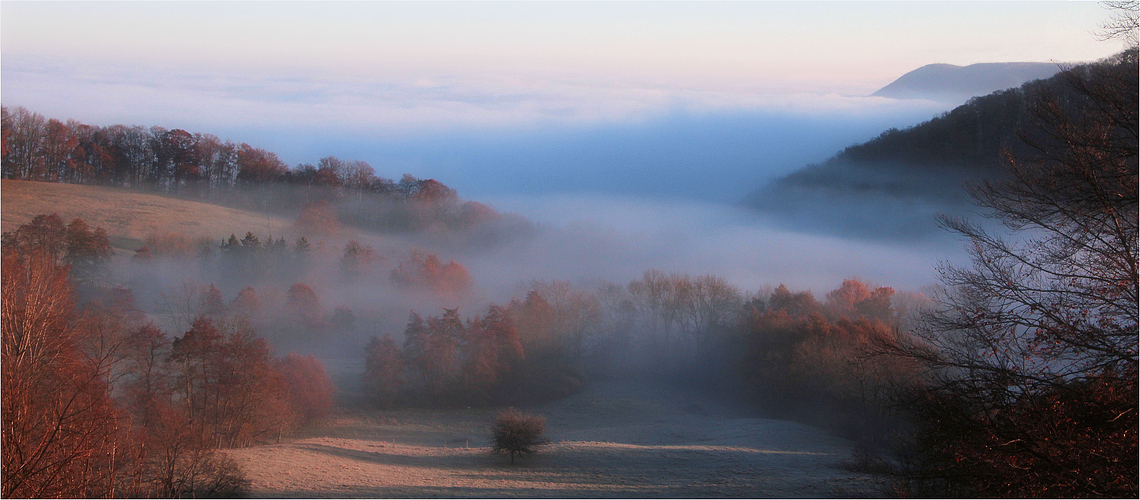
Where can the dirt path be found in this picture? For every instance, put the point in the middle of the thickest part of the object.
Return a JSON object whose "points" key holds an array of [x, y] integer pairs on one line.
{"points": [[632, 440]]}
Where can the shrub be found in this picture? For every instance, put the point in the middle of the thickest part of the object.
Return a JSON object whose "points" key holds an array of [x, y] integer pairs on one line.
{"points": [[516, 433]]}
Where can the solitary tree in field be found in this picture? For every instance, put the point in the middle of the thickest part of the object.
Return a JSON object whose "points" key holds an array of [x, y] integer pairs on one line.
{"points": [[516, 433]]}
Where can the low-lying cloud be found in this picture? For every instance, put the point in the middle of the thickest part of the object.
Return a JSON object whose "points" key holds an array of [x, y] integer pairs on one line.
{"points": [[98, 92], [611, 238]]}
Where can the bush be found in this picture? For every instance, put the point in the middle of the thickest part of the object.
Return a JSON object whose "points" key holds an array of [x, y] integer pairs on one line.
{"points": [[516, 433]]}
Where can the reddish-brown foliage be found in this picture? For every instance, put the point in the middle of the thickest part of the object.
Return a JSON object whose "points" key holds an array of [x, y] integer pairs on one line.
{"points": [[308, 386], [492, 349], [1078, 440], [246, 304], [318, 219], [383, 370], [60, 426], [304, 303], [227, 385], [424, 271]]}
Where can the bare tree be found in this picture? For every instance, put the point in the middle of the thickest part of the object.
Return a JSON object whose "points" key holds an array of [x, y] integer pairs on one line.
{"points": [[1125, 21], [1033, 352]]}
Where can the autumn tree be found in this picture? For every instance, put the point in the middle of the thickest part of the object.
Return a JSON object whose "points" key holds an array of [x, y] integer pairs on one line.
{"points": [[383, 375], [441, 356], [45, 235], [308, 386], [60, 425], [535, 321], [854, 298], [246, 304], [318, 219], [424, 271], [258, 166], [226, 384], [305, 305], [818, 363], [1033, 352], [357, 259], [492, 350]]}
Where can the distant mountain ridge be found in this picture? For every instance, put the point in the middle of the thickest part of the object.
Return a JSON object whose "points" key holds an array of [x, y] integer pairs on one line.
{"points": [[951, 83], [893, 185]]}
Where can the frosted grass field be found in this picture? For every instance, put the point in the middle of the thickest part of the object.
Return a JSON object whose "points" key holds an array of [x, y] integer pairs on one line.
{"points": [[633, 440]]}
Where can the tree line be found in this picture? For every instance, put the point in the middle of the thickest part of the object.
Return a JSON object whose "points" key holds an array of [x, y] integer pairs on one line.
{"points": [[35, 148], [47, 149]]}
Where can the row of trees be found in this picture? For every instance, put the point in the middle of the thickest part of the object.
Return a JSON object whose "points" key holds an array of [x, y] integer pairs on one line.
{"points": [[540, 346], [99, 402], [816, 361], [446, 360], [35, 148], [249, 260]]}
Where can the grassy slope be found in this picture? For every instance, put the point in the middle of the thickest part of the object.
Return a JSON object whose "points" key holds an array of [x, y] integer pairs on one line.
{"points": [[129, 216]]}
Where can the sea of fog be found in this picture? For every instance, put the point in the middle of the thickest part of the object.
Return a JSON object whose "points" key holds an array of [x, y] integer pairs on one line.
{"points": [[621, 180], [590, 238], [715, 155], [616, 199]]}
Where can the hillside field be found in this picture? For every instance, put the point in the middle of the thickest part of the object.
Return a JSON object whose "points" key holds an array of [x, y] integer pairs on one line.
{"points": [[130, 216]]}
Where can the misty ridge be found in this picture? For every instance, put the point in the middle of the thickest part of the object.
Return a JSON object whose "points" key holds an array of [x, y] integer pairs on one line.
{"points": [[895, 185], [959, 83], [362, 293]]}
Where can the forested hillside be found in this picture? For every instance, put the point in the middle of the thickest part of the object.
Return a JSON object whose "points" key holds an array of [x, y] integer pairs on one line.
{"points": [[891, 186]]}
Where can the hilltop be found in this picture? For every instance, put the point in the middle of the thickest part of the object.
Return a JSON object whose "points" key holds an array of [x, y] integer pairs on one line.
{"points": [[951, 83], [894, 185]]}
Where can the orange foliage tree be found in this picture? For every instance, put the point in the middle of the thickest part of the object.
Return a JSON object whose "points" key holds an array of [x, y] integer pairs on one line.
{"points": [[308, 386], [61, 429], [383, 370], [424, 271]]}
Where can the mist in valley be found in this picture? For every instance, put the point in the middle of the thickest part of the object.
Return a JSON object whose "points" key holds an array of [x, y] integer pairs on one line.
{"points": [[675, 250], [612, 266]]}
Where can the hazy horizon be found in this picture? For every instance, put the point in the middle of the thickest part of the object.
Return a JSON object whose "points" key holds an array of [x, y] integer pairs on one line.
{"points": [[619, 116], [695, 99]]}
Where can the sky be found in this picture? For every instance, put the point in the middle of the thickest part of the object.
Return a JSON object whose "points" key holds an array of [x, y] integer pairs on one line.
{"points": [[523, 97]]}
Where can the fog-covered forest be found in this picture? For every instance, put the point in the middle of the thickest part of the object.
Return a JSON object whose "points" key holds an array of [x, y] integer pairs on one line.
{"points": [[128, 369]]}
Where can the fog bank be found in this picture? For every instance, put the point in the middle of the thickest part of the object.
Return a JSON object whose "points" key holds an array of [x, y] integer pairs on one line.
{"points": [[615, 238]]}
